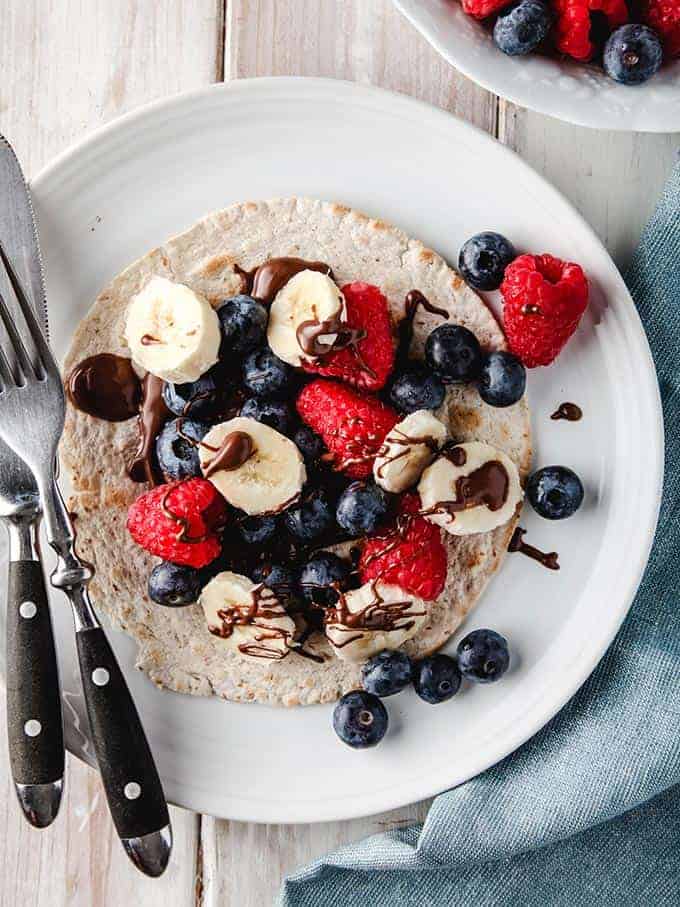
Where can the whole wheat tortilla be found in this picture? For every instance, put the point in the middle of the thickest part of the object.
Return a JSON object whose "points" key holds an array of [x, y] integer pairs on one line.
{"points": [[175, 648]]}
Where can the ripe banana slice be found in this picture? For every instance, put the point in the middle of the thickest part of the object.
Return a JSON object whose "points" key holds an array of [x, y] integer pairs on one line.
{"points": [[172, 332], [247, 617], [471, 488], [375, 617], [309, 301], [407, 449], [267, 479]]}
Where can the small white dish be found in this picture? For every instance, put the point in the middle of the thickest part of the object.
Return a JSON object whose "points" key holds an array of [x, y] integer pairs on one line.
{"points": [[568, 90], [152, 174]]}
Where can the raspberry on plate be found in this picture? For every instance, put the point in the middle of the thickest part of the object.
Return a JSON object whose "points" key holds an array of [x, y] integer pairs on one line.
{"points": [[367, 363], [664, 17], [353, 426], [543, 301], [409, 554], [480, 9], [574, 32], [179, 522]]}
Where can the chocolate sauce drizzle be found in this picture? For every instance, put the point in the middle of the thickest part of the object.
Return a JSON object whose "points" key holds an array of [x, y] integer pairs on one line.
{"points": [[414, 299], [399, 439], [271, 276], [264, 606], [568, 411], [547, 559], [377, 615], [487, 485], [152, 417], [105, 386], [455, 454], [236, 448]]}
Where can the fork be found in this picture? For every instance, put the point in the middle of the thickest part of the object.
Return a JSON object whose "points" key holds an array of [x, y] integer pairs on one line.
{"points": [[32, 412]]}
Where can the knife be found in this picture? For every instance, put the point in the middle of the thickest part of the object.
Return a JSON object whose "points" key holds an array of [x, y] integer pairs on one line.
{"points": [[34, 719]]}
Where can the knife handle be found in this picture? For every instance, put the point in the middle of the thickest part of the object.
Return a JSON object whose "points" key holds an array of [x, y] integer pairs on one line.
{"points": [[36, 741], [131, 781]]}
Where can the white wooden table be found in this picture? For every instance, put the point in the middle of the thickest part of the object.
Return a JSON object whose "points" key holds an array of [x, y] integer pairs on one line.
{"points": [[67, 66]]}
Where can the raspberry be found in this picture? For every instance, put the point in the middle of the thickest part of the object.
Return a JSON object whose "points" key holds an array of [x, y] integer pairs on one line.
{"points": [[480, 9], [664, 17], [409, 554], [353, 426], [576, 27], [178, 522], [367, 364], [543, 300]]}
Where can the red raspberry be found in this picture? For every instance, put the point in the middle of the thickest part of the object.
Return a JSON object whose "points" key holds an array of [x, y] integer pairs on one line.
{"points": [[573, 32], [409, 554], [480, 9], [368, 364], [353, 426], [664, 17], [543, 300], [177, 522]]}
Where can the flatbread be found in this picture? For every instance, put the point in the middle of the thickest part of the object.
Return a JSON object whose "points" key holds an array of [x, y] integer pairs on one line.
{"points": [[175, 648]]}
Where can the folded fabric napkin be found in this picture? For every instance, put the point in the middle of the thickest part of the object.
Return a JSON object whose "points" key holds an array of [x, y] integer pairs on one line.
{"points": [[586, 812]]}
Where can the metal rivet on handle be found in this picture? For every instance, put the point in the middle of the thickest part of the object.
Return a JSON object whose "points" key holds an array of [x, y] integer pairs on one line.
{"points": [[28, 610], [132, 790], [100, 677], [32, 727]]}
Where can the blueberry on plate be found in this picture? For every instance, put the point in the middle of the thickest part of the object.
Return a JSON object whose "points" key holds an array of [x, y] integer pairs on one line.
{"points": [[173, 585], [483, 656], [483, 259], [177, 448], [502, 379], [555, 492], [417, 389], [256, 530], [310, 517], [387, 673], [360, 719], [309, 444], [453, 353], [362, 507], [436, 678], [320, 575], [274, 413], [632, 54], [265, 375], [521, 28], [197, 399], [277, 577], [243, 321]]}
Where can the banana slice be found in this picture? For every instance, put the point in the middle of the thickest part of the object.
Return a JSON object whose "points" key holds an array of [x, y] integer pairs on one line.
{"points": [[407, 449], [471, 488], [263, 475], [247, 617], [172, 332], [375, 617], [310, 301]]}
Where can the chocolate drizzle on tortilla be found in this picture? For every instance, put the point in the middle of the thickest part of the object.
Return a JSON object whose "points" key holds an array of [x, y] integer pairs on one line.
{"points": [[264, 606], [568, 411], [271, 276], [236, 448], [414, 299], [487, 485], [455, 454], [105, 386], [547, 559], [399, 439], [153, 415], [377, 616]]}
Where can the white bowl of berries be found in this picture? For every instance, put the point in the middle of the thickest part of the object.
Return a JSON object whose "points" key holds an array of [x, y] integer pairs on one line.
{"points": [[607, 64]]}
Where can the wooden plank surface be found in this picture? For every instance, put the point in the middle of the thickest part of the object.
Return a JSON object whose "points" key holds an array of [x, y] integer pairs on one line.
{"points": [[67, 66]]}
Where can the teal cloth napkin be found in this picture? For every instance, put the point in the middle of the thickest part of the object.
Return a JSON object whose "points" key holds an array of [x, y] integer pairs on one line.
{"points": [[587, 812]]}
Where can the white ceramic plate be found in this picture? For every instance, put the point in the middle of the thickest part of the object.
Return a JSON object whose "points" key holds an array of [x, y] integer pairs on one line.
{"points": [[152, 174], [567, 90]]}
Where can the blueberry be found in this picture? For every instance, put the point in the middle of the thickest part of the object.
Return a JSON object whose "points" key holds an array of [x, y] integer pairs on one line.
{"points": [[309, 444], [387, 673], [274, 413], [278, 577], [502, 380], [521, 28], [555, 492], [632, 54], [362, 507], [417, 389], [453, 352], [173, 585], [317, 576], [256, 530], [244, 323], [177, 448], [436, 678], [483, 259], [310, 517], [483, 656], [196, 399], [265, 375], [360, 719]]}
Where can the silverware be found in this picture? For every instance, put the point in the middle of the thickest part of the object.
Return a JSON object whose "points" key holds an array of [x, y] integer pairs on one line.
{"points": [[32, 410], [33, 694]]}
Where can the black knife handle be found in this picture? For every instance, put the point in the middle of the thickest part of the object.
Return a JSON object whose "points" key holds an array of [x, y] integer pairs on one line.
{"points": [[34, 726], [131, 781]]}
